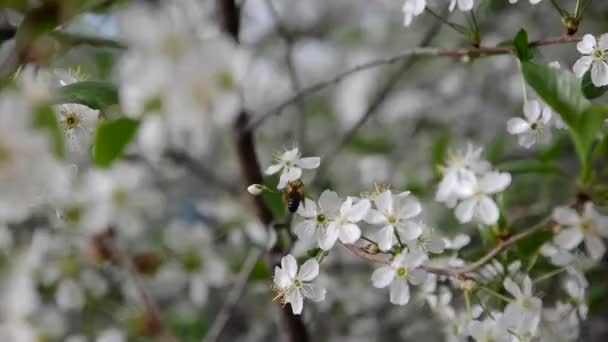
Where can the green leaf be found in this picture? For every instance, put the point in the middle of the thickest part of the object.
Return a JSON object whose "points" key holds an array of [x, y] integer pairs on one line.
{"points": [[589, 124], [559, 89], [94, 94], [112, 138], [589, 89], [45, 118], [439, 149], [520, 42], [529, 166]]}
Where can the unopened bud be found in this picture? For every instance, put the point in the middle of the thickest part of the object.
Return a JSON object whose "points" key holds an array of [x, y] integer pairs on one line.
{"points": [[255, 189]]}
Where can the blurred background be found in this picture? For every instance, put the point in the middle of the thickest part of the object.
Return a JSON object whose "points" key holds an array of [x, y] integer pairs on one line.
{"points": [[390, 124]]}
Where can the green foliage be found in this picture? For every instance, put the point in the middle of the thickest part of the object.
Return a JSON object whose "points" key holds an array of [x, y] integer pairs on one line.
{"points": [[45, 118], [589, 89], [112, 138], [520, 43], [377, 144], [439, 150], [562, 92], [94, 94], [530, 166], [274, 199]]}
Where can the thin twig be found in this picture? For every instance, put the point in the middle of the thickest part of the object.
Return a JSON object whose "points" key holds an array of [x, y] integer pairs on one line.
{"points": [[420, 51], [233, 296], [460, 272], [80, 39], [376, 103]]}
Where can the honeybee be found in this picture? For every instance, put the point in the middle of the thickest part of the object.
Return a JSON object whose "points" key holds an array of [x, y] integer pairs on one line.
{"points": [[293, 195]]}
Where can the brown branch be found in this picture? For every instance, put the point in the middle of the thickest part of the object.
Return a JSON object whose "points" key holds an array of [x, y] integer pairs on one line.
{"points": [[460, 272], [420, 51], [229, 17]]}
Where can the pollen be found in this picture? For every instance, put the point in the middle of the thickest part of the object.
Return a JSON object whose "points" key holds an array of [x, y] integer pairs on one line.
{"points": [[70, 120]]}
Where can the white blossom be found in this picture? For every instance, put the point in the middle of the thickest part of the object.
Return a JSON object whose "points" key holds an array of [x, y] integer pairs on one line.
{"points": [[291, 164], [292, 285], [524, 313], [530, 129], [78, 122], [403, 268], [317, 218], [594, 57], [460, 174], [463, 5], [344, 225], [393, 213], [480, 205], [589, 227]]}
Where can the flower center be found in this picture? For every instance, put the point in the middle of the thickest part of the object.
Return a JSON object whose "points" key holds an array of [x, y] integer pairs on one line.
{"points": [[525, 303], [297, 283], [598, 54], [321, 219], [70, 121], [401, 272], [191, 262], [535, 126], [392, 219], [587, 226]]}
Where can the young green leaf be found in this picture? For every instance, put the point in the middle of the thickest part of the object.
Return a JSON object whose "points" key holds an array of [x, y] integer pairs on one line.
{"points": [[520, 42], [94, 94], [589, 89], [112, 138], [529, 166]]}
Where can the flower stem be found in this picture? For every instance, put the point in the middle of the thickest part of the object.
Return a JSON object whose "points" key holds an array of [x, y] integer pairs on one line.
{"points": [[496, 294], [549, 275]]}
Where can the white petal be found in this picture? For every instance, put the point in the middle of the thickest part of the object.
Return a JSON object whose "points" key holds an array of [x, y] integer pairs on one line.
{"points": [[512, 287], [400, 292], [487, 211], [358, 211], [527, 290], [291, 155], [566, 216], [581, 66], [309, 270], [586, 45], [436, 245], [413, 259], [314, 292], [603, 42], [281, 278], [532, 111], [296, 301], [305, 230], [465, 5], [517, 126], [328, 239], [272, 169], [292, 173], [409, 207], [309, 163], [546, 115], [384, 202], [464, 211], [385, 238], [329, 201], [375, 217], [350, 233], [599, 73], [595, 246], [569, 238], [409, 230], [527, 139], [309, 209], [290, 265], [416, 276], [383, 276], [494, 182]]}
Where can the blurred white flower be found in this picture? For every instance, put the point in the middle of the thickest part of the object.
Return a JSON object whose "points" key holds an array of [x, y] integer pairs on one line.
{"points": [[427, 242], [403, 268], [595, 57], [411, 9], [589, 227], [490, 329], [111, 335], [291, 286], [524, 313], [480, 205], [78, 123], [344, 225], [460, 174], [69, 295], [530, 129], [576, 291], [394, 212], [292, 165]]}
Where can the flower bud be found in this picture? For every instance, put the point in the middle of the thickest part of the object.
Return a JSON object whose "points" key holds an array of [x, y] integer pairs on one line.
{"points": [[255, 189]]}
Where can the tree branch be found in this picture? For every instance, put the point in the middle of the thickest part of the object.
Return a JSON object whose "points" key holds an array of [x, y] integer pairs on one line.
{"points": [[460, 272], [420, 51]]}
